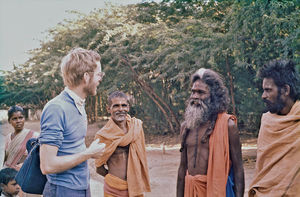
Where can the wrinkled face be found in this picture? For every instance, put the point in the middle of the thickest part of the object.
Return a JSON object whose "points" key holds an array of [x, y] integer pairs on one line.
{"points": [[11, 188], [94, 80], [271, 96], [198, 105], [118, 109], [17, 120], [200, 91]]}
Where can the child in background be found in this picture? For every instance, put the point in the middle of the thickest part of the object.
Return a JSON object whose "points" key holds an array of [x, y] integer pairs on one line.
{"points": [[8, 184]]}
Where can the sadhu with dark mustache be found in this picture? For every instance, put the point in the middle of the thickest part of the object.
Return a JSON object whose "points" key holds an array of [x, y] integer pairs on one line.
{"points": [[277, 171], [211, 160]]}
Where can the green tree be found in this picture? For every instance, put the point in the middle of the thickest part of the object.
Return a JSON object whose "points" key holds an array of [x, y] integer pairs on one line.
{"points": [[150, 50]]}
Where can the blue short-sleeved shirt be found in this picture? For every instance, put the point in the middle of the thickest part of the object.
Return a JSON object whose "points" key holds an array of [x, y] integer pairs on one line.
{"points": [[63, 126]]}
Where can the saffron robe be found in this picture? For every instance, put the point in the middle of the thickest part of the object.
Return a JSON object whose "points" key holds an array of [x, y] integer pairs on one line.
{"points": [[218, 164], [137, 168], [278, 155], [115, 187]]}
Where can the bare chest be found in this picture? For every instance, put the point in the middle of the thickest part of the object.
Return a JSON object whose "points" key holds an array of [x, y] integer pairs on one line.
{"points": [[117, 163], [120, 155], [197, 152]]}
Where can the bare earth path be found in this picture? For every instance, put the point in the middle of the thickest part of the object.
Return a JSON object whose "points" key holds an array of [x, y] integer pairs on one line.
{"points": [[163, 162]]}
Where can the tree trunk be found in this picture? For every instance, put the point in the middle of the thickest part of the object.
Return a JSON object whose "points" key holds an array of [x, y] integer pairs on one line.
{"points": [[231, 85], [156, 99], [159, 106]]}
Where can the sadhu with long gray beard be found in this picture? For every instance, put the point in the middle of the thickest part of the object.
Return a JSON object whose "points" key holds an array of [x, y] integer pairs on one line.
{"points": [[211, 160]]}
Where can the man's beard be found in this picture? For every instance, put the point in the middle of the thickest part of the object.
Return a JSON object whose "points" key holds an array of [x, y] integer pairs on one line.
{"points": [[275, 107], [89, 89], [197, 112]]}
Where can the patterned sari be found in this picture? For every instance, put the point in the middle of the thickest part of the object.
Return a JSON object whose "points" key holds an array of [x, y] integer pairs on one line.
{"points": [[15, 149]]}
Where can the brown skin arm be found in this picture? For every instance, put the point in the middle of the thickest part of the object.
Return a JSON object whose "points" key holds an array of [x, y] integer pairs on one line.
{"points": [[236, 158], [102, 171], [181, 170]]}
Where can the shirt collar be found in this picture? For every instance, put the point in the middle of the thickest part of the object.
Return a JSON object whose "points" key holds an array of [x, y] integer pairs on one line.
{"points": [[79, 102]]}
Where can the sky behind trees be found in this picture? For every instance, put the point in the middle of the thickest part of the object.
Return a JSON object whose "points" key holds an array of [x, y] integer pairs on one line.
{"points": [[23, 23]]}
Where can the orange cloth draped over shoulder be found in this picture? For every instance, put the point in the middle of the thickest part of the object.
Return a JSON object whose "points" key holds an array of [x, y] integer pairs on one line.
{"points": [[218, 164], [137, 168], [278, 155]]}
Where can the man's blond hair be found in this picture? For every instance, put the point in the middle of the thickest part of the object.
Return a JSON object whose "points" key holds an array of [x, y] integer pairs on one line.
{"points": [[76, 63]]}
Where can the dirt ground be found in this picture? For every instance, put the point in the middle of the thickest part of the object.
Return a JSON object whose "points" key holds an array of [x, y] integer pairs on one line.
{"points": [[163, 160]]}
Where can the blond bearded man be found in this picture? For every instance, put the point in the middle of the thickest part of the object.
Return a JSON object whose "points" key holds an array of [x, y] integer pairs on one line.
{"points": [[63, 153]]}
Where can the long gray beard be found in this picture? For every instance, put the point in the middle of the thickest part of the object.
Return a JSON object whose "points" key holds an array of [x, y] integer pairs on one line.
{"points": [[196, 113]]}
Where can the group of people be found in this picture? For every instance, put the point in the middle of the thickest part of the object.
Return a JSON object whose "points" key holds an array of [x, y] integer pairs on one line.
{"points": [[211, 159]]}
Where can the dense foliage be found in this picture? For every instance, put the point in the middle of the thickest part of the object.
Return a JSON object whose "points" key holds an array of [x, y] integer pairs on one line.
{"points": [[149, 51]]}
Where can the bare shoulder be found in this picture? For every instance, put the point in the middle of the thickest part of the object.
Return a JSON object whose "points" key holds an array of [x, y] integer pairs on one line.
{"points": [[233, 131], [231, 123], [182, 127]]}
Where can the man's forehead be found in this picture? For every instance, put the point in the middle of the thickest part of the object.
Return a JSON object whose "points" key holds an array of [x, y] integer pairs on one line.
{"points": [[268, 82], [119, 100], [199, 84]]}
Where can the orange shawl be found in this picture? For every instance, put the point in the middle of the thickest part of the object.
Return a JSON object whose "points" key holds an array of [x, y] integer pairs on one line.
{"points": [[278, 155], [218, 161], [137, 168]]}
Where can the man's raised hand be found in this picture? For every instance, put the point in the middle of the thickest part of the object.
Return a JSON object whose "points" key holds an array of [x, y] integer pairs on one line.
{"points": [[96, 149]]}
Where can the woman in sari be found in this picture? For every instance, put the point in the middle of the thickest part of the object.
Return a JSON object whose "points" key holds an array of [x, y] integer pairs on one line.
{"points": [[15, 142]]}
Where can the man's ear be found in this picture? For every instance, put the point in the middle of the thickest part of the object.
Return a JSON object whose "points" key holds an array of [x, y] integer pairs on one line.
{"points": [[86, 77], [286, 90]]}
